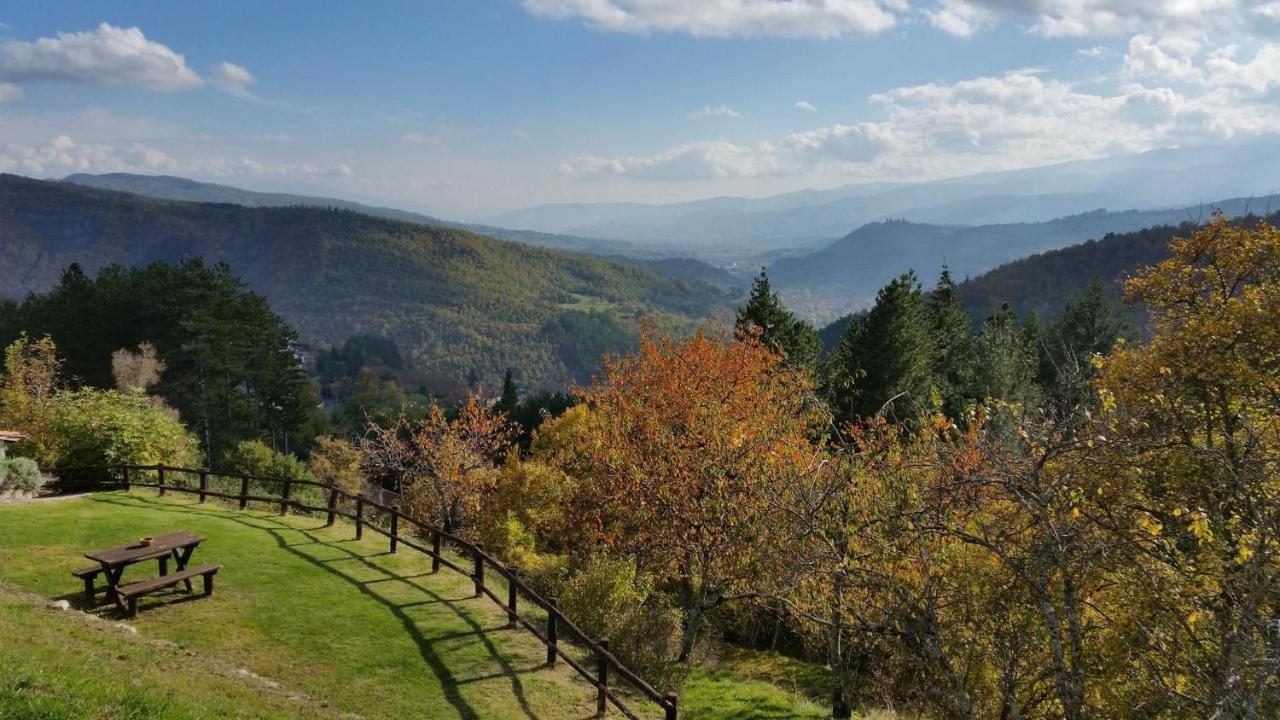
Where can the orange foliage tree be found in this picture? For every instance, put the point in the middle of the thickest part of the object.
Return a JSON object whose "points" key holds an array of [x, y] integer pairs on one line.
{"points": [[685, 435], [444, 466]]}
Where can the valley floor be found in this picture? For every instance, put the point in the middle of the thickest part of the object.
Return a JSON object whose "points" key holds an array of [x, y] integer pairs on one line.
{"points": [[304, 622]]}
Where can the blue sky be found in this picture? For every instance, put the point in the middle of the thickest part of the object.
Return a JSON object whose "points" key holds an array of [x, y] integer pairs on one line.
{"points": [[470, 107]]}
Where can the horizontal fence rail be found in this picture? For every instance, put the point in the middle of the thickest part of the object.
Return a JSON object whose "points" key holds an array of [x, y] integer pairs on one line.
{"points": [[557, 624]]}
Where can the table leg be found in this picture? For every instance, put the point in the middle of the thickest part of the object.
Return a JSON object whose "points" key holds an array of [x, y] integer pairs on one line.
{"points": [[113, 581], [164, 564], [182, 559]]}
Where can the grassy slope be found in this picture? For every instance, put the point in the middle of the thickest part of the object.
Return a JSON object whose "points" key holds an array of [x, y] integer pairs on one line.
{"points": [[337, 620]]}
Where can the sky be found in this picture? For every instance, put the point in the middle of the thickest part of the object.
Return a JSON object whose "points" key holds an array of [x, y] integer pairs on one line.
{"points": [[465, 108]]}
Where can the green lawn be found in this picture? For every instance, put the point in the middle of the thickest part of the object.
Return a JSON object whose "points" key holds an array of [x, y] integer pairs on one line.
{"points": [[340, 625]]}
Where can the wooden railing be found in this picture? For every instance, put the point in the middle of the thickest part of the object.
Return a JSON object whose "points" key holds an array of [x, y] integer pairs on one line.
{"points": [[557, 624]]}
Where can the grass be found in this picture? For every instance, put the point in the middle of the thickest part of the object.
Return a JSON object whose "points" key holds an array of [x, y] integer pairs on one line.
{"points": [[338, 624]]}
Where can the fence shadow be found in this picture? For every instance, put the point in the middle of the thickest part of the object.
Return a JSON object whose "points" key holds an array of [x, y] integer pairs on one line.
{"points": [[286, 538]]}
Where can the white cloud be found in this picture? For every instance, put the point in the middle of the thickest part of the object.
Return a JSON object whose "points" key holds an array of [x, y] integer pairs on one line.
{"points": [[277, 138], [1269, 10], [1018, 119], [728, 18], [707, 111], [960, 17], [1094, 53], [233, 75], [1056, 18], [1145, 58], [62, 155], [9, 92], [691, 161], [805, 106], [234, 80], [108, 55]]}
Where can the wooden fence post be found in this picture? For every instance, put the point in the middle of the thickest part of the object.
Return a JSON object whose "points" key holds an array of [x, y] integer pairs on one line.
{"points": [[395, 531], [284, 496], [160, 475], [204, 483], [244, 491], [333, 506], [512, 596], [602, 678], [126, 478], [673, 705], [552, 611], [435, 551], [359, 517], [479, 570]]}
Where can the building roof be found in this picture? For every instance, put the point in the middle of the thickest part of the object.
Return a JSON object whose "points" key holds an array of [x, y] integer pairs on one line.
{"points": [[11, 436]]}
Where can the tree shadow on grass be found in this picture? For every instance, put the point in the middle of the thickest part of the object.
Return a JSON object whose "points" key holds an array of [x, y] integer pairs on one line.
{"points": [[278, 530]]}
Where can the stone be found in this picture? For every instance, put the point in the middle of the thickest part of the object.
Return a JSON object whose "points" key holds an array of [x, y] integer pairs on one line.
{"points": [[60, 605]]}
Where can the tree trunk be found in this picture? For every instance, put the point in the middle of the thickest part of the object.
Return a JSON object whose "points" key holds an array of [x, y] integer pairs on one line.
{"points": [[840, 708]]}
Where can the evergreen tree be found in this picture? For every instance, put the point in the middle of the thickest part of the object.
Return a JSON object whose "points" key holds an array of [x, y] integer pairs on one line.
{"points": [[886, 356], [779, 328], [1091, 324], [1008, 358], [951, 329], [510, 398]]}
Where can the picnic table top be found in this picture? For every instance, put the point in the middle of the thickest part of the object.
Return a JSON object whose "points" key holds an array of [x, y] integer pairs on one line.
{"points": [[134, 551]]}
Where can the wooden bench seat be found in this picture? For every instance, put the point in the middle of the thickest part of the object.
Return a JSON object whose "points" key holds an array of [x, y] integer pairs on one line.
{"points": [[88, 574], [131, 592]]}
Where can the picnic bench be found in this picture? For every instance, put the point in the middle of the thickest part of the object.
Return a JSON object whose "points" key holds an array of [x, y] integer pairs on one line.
{"points": [[176, 546]]}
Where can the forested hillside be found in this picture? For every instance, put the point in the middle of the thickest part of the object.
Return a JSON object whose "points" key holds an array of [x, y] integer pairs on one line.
{"points": [[455, 301], [1041, 284]]}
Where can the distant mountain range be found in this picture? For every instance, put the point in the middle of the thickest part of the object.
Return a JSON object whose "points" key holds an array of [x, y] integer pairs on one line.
{"points": [[168, 187], [850, 271], [1166, 178], [454, 300]]}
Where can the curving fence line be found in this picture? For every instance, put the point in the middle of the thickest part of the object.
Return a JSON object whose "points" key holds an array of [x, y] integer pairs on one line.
{"points": [[519, 595]]}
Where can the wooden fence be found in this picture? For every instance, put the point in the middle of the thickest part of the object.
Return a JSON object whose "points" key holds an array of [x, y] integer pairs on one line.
{"points": [[520, 597]]}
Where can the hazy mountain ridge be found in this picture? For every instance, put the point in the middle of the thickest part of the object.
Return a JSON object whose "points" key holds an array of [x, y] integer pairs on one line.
{"points": [[853, 268], [1164, 178]]}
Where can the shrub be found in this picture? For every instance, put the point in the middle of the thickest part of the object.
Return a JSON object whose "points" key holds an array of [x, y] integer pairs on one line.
{"points": [[608, 598], [517, 547], [254, 457], [335, 461], [103, 427], [21, 474]]}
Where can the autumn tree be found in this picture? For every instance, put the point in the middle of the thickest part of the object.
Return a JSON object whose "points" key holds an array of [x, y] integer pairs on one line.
{"points": [[140, 369], [32, 376], [444, 467], [1194, 439], [684, 436]]}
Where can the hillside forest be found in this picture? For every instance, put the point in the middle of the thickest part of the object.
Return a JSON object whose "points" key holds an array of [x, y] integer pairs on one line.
{"points": [[957, 518]]}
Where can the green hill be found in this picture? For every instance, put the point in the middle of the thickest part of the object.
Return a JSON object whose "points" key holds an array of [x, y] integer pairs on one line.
{"points": [[455, 301]]}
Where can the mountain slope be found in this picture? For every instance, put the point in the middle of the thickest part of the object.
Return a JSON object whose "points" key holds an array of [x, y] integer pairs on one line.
{"points": [[857, 265], [168, 187], [457, 302], [1041, 284]]}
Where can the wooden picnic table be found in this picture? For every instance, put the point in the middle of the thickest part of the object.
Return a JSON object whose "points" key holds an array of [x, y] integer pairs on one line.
{"points": [[176, 545]]}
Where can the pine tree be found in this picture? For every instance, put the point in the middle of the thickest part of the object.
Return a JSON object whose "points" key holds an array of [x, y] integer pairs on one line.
{"points": [[779, 328], [510, 398], [1091, 324], [1008, 359], [885, 357], [951, 329]]}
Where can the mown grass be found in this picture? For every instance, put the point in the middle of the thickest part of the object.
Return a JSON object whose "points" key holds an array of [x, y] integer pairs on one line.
{"points": [[342, 622]]}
